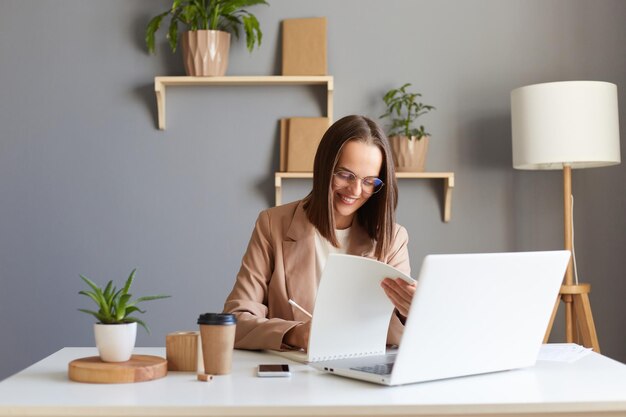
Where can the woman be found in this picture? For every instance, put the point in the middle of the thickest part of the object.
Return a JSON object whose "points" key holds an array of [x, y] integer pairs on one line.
{"points": [[351, 209]]}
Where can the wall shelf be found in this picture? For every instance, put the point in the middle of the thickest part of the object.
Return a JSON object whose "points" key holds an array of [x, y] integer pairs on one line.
{"points": [[447, 177], [160, 84]]}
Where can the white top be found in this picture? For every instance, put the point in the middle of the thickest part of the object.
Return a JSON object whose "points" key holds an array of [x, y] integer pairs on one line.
{"points": [[594, 385], [323, 248]]}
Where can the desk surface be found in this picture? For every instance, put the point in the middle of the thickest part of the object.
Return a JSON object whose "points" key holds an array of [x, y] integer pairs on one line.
{"points": [[594, 385]]}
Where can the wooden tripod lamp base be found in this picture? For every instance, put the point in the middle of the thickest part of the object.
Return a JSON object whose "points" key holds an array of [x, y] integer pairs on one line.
{"points": [[579, 326]]}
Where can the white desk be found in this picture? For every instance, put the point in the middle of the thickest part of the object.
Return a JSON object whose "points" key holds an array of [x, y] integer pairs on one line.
{"points": [[595, 385]]}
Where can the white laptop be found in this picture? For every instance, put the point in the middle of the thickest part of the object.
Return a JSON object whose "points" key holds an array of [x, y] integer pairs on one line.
{"points": [[471, 314]]}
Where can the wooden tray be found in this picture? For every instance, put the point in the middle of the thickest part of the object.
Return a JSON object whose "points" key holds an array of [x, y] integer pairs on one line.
{"points": [[139, 368]]}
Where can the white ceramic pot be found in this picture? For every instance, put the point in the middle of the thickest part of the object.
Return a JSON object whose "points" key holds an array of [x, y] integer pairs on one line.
{"points": [[115, 342]]}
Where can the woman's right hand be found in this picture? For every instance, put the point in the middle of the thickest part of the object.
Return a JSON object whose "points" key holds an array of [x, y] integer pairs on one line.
{"points": [[400, 293], [298, 336]]}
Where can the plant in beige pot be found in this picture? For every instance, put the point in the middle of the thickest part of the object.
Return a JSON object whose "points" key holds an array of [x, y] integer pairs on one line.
{"points": [[209, 23], [409, 144], [116, 330]]}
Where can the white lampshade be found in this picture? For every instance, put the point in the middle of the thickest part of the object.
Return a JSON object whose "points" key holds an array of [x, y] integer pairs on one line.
{"points": [[572, 123]]}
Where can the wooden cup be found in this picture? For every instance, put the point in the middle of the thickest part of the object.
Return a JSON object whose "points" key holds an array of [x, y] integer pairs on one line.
{"points": [[182, 351]]}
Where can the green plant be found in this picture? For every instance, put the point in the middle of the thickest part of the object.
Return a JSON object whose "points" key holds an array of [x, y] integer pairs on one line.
{"points": [[224, 15], [115, 306], [404, 109]]}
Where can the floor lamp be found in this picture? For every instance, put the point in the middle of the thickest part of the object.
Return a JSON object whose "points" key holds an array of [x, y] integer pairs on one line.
{"points": [[567, 125]]}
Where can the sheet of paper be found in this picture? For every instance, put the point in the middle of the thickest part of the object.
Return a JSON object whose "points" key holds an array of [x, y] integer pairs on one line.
{"points": [[352, 312], [293, 355], [562, 352]]}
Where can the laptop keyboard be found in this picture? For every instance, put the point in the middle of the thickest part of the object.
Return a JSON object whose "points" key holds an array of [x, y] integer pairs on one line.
{"points": [[379, 369]]}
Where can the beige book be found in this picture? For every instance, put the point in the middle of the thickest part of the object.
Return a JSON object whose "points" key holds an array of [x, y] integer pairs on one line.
{"points": [[300, 137], [304, 46], [284, 126]]}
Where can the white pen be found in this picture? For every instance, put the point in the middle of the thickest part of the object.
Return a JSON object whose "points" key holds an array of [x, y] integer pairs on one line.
{"points": [[293, 303]]}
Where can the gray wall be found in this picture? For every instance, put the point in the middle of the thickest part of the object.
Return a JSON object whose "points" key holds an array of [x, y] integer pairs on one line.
{"points": [[88, 185]]}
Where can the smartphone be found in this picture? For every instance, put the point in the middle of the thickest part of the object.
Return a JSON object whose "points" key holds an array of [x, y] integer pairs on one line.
{"points": [[270, 370]]}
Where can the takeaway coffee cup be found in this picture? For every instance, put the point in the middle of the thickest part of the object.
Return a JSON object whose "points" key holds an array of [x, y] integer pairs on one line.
{"points": [[217, 333]]}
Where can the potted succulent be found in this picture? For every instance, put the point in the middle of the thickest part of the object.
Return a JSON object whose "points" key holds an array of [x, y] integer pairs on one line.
{"points": [[209, 23], [409, 144], [116, 330]]}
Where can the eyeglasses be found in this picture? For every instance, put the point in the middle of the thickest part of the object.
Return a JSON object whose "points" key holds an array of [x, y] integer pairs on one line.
{"points": [[369, 185]]}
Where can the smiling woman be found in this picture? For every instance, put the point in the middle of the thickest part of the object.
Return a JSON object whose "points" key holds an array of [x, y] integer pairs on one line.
{"points": [[350, 191], [351, 209]]}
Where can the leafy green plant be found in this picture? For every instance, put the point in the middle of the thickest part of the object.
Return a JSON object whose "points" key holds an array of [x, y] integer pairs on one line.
{"points": [[404, 109], [224, 15], [115, 306]]}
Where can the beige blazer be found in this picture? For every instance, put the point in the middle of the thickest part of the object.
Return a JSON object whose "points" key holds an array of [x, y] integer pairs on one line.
{"points": [[279, 264]]}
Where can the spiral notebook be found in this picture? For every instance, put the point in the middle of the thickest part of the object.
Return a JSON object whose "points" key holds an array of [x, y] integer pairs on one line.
{"points": [[352, 312]]}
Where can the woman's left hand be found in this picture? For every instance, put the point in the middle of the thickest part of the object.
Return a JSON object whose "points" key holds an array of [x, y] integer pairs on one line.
{"points": [[400, 293]]}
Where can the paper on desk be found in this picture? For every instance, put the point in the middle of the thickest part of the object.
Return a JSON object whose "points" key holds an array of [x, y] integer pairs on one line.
{"points": [[293, 355], [562, 352]]}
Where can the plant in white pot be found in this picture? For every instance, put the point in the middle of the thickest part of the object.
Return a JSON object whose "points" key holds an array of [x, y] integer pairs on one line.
{"points": [[409, 144], [116, 330], [209, 23]]}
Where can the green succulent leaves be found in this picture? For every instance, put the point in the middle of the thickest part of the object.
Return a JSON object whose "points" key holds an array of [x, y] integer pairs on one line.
{"points": [[115, 306], [225, 15], [404, 109]]}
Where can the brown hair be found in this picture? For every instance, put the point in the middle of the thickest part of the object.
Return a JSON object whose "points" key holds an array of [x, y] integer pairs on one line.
{"points": [[377, 215]]}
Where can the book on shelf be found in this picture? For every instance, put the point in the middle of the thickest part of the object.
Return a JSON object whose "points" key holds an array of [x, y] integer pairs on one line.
{"points": [[304, 46], [299, 139]]}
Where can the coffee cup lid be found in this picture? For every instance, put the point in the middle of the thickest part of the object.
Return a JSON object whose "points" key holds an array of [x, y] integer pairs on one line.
{"points": [[217, 318]]}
